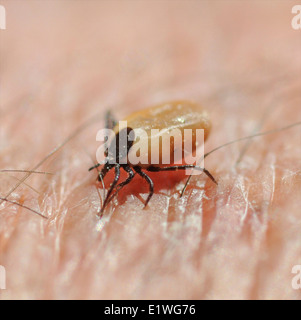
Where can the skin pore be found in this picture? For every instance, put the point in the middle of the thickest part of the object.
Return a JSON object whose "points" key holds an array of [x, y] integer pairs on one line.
{"points": [[63, 64]]}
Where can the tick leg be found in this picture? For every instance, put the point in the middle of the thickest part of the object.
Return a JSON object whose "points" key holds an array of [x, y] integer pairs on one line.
{"points": [[107, 167], [150, 182], [187, 166], [94, 167], [113, 185], [125, 182], [128, 179], [110, 121]]}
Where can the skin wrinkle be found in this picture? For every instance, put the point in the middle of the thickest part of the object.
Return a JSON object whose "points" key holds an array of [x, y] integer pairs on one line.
{"points": [[190, 247]]}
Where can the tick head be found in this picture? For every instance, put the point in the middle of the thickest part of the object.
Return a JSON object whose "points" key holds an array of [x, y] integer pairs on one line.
{"points": [[119, 146]]}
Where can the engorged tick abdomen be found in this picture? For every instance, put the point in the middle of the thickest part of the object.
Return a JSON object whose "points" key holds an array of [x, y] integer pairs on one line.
{"points": [[181, 115]]}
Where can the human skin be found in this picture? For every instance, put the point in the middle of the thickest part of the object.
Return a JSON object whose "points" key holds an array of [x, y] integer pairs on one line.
{"points": [[64, 63]]}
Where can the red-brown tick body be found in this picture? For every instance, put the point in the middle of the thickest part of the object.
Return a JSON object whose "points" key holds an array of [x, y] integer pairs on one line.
{"points": [[180, 115], [167, 118]]}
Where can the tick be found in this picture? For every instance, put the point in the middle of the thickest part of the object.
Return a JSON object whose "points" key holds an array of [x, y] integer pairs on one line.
{"points": [[165, 117]]}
